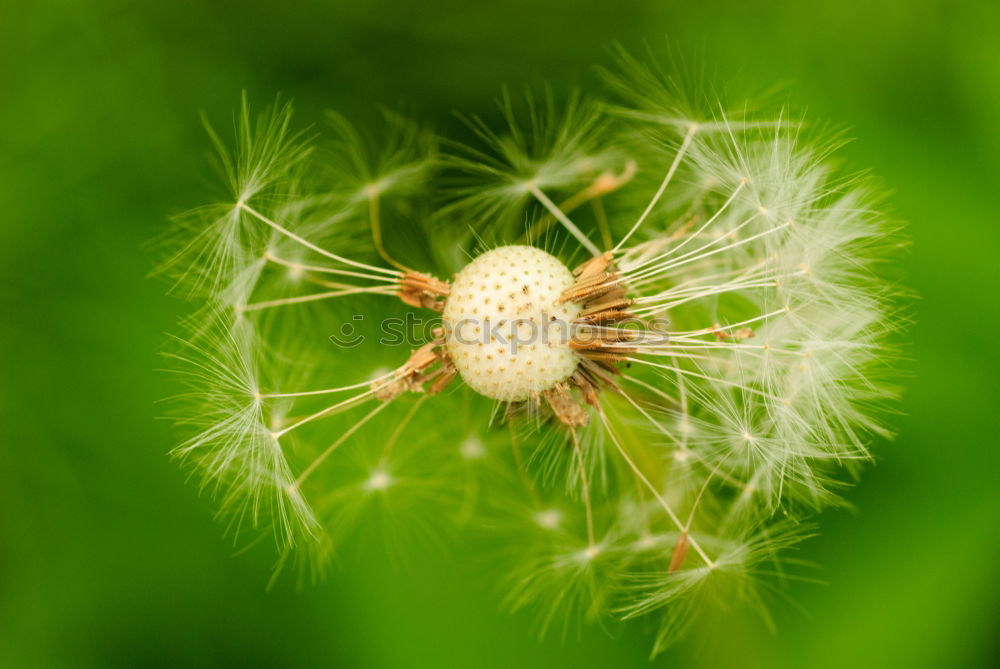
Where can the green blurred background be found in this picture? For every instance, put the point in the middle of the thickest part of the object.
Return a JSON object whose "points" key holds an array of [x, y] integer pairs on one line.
{"points": [[109, 559]]}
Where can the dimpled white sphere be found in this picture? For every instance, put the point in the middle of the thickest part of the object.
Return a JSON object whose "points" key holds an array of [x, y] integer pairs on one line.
{"points": [[506, 334]]}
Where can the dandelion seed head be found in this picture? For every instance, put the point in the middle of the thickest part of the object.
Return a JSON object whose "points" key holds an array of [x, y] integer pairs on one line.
{"points": [[647, 470], [549, 519], [472, 449], [378, 481], [507, 330]]}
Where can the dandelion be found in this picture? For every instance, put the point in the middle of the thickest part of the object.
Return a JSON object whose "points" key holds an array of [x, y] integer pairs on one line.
{"points": [[639, 340]]}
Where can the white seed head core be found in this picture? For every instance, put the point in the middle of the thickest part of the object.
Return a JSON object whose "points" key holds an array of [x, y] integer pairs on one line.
{"points": [[507, 336]]}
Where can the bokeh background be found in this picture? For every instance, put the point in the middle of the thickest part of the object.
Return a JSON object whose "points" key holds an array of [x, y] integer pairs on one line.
{"points": [[109, 559]]}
